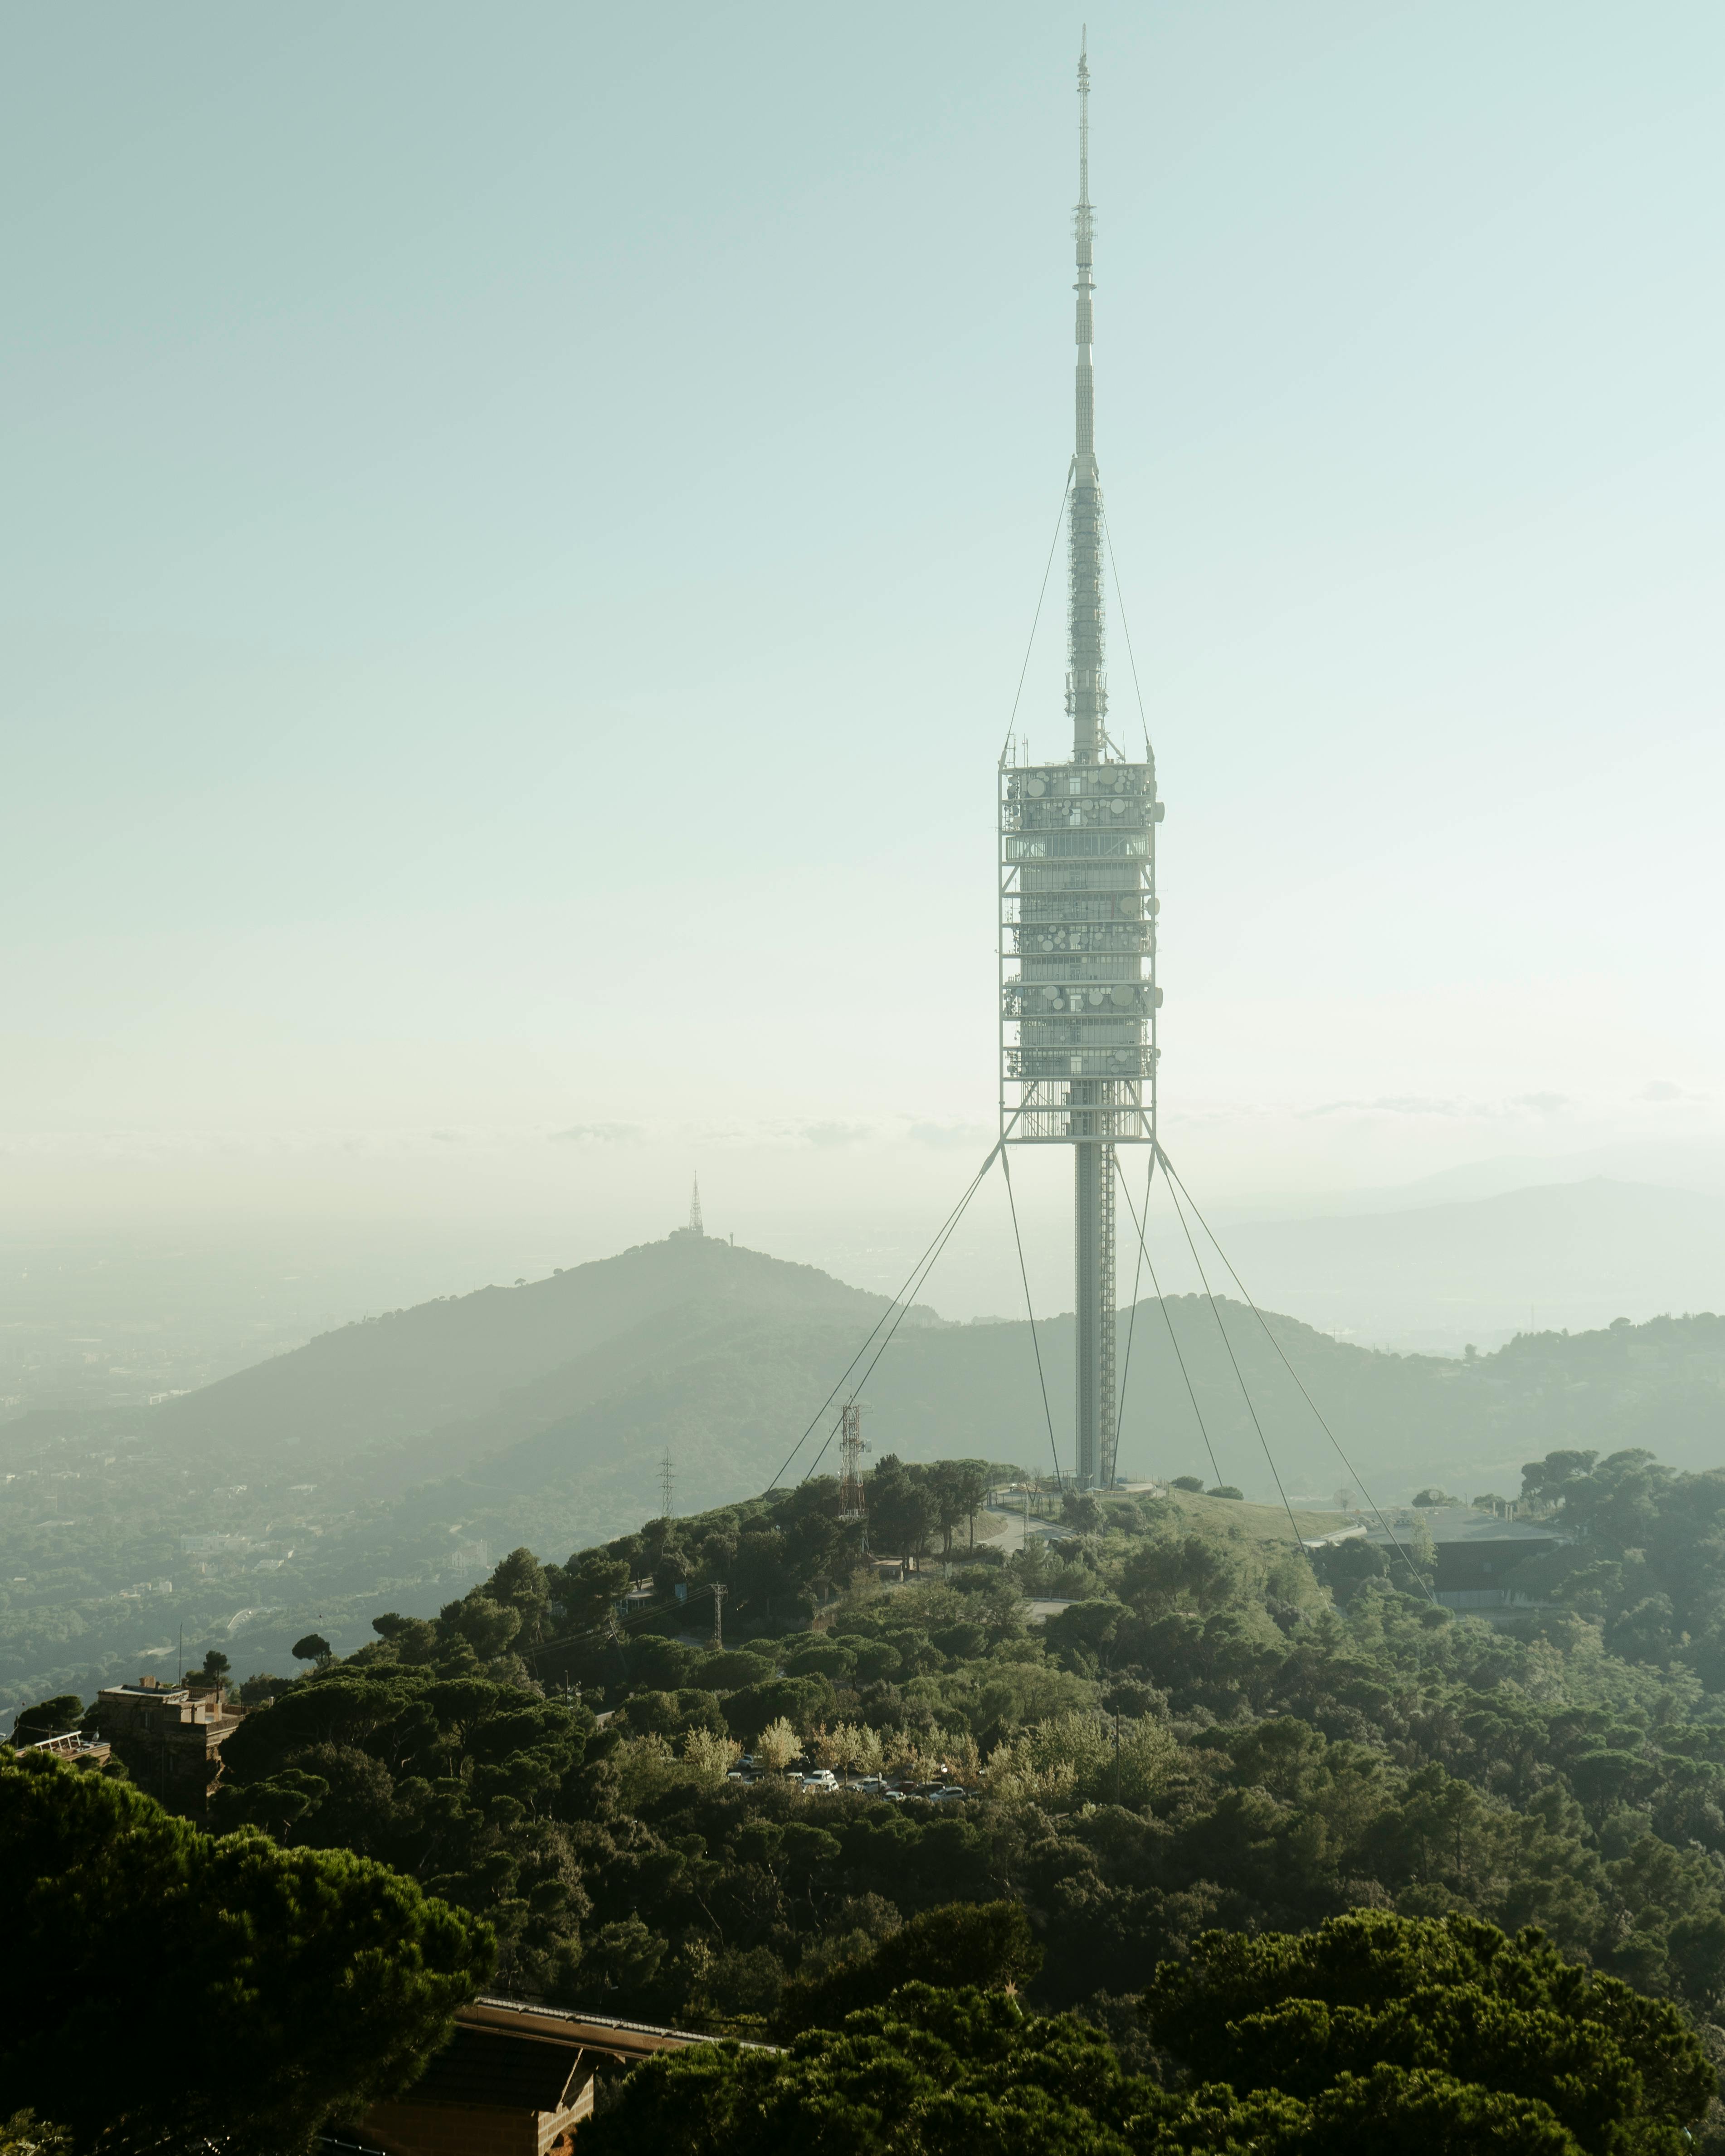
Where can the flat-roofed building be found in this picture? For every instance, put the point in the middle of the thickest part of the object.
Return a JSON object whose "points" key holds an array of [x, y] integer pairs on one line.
{"points": [[514, 2080], [1476, 1551], [170, 1736]]}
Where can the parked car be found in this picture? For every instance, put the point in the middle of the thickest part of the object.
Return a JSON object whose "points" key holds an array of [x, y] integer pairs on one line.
{"points": [[820, 1782]]}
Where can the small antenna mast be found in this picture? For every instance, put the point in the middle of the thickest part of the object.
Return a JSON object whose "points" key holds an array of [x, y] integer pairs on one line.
{"points": [[852, 1506]]}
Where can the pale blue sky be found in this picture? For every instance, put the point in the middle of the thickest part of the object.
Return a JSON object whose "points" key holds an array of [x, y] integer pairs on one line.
{"points": [[522, 524]]}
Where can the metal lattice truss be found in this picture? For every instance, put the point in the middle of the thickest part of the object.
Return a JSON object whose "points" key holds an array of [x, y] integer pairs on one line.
{"points": [[1078, 993]]}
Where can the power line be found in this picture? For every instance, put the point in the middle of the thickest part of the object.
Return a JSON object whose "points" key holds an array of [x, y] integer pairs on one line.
{"points": [[614, 1625]]}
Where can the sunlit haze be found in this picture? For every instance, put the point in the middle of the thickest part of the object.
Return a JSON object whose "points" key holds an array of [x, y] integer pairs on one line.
{"points": [[522, 547]]}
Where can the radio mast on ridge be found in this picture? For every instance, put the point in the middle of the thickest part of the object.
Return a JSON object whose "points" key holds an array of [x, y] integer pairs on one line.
{"points": [[1077, 885]]}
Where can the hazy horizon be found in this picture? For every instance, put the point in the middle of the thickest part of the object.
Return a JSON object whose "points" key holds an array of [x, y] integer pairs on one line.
{"points": [[500, 464]]}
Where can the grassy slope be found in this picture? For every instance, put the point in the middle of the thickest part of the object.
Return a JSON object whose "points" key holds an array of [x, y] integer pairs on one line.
{"points": [[1266, 1523]]}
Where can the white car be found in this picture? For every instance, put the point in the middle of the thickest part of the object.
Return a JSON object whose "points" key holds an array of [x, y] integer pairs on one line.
{"points": [[820, 1782]]}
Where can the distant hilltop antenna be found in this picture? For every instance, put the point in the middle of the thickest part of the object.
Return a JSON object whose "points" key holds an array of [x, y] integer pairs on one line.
{"points": [[664, 1484], [695, 1226]]}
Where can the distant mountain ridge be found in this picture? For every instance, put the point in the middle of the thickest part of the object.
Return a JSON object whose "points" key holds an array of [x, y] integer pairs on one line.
{"points": [[1551, 1255], [500, 1362], [577, 1384], [387, 1464]]}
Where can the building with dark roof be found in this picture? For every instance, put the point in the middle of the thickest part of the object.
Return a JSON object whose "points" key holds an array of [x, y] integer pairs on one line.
{"points": [[1476, 1551], [513, 2080]]}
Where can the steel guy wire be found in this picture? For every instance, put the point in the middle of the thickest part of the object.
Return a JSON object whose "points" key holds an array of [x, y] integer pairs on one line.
{"points": [[1174, 1338], [1245, 1390], [1047, 568], [1126, 631], [911, 1277], [942, 1238], [1173, 1178], [1132, 1323], [1024, 1274]]}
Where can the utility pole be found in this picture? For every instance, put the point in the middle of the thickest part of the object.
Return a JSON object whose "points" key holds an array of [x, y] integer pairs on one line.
{"points": [[718, 1616]]}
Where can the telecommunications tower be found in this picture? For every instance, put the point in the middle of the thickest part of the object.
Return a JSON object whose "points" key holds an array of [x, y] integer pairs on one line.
{"points": [[1077, 880]]}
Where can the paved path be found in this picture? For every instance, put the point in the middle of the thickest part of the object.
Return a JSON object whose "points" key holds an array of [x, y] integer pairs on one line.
{"points": [[1012, 1535]]}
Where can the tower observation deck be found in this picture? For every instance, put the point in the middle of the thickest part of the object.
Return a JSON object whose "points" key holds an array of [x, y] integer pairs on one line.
{"points": [[1078, 906]]}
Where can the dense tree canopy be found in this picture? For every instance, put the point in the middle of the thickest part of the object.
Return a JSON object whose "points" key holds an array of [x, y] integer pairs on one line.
{"points": [[311, 1981], [1454, 1998], [1648, 1561], [1204, 1737], [1376, 2032], [1208, 1741]]}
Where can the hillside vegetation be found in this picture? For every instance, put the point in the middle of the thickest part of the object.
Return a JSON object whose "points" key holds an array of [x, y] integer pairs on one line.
{"points": [[391, 1460], [1203, 1736], [1259, 1853]]}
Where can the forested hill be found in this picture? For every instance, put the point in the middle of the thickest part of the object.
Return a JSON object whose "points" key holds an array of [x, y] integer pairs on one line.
{"points": [[398, 1455], [1244, 1847], [1215, 1731], [502, 1362], [722, 1356]]}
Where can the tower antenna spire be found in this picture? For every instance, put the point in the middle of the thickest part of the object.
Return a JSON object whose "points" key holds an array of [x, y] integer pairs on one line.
{"points": [[1086, 686], [695, 1226]]}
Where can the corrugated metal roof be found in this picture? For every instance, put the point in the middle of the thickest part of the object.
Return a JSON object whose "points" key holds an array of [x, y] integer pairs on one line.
{"points": [[597, 2031]]}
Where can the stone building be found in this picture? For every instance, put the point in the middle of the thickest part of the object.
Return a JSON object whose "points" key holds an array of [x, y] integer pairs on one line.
{"points": [[169, 1735]]}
